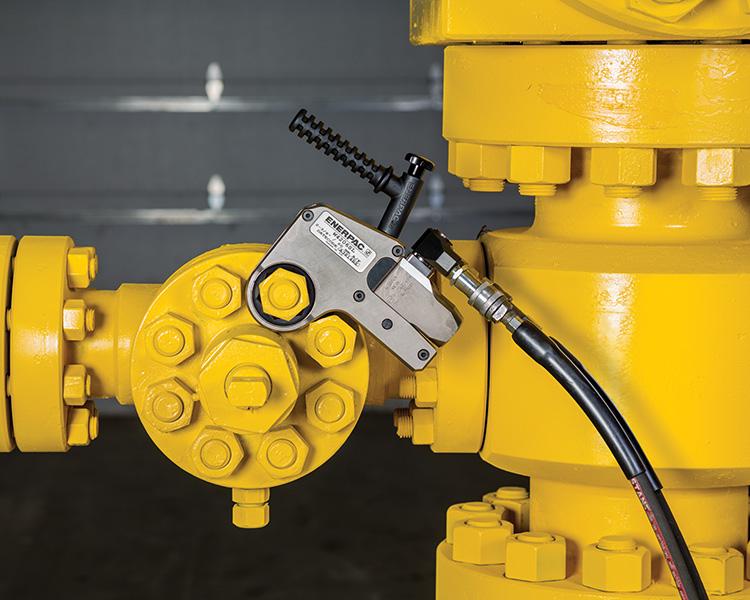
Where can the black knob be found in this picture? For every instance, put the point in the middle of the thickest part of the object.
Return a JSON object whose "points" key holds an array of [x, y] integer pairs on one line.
{"points": [[418, 165]]}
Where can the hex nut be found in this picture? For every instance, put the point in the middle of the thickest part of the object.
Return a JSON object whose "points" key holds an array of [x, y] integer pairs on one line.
{"points": [[722, 570], [78, 319], [80, 429], [539, 165], [426, 395], [716, 167], [463, 511], [169, 405], [170, 339], [483, 167], [630, 167], [216, 452], [249, 348], [535, 556], [82, 266], [76, 385], [331, 341], [481, 541], [217, 292], [516, 501], [667, 11], [283, 294], [616, 564], [330, 406], [283, 453]]}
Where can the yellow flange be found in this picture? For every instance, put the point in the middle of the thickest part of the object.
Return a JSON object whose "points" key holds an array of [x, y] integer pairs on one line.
{"points": [[7, 249]]}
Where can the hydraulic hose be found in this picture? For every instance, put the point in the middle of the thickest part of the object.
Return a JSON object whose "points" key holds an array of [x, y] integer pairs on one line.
{"points": [[496, 306]]}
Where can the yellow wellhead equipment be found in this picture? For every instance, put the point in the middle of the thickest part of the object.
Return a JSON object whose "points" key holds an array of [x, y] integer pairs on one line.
{"points": [[628, 122]]}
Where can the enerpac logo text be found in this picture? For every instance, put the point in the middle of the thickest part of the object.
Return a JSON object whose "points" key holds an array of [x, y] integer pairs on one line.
{"points": [[352, 250]]}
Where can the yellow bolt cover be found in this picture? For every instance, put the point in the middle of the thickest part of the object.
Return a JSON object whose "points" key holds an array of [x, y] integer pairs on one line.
{"points": [[722, 570], [331, 341], [463, 511], [217, 292], [78, 319], [248, 386], [82, 266], [76, 385], [515, 500], [283, 294], [169, 405], [535, 556], [171, 339], [82, 424], [330, 406], [283, 453], [616, 564], [481, 541], [240, 350], [216, 452]]}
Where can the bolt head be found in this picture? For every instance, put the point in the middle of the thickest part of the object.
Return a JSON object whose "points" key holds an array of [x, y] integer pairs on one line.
{"points": [[82, 267], [331, 341], [248, 386], [616, 564], [283, 453], [216, 452], [168, 405], [170, 339], [283, 294], [535, 556], [217, 293], [481, 541], [330, 406]]}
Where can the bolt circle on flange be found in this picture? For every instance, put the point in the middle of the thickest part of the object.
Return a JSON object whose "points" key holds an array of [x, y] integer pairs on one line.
{"points": [[170, 339], [283, 453], [169, 405], [216, 452], [330, 406], [217, 293], [331, 341]]}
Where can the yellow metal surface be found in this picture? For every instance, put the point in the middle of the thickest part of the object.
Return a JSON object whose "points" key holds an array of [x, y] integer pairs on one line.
{"points": [[7, 249], [457, 21]]}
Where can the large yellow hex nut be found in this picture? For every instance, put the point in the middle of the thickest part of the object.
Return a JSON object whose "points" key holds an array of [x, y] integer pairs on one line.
{"points": [[481, 541], [76, 385], [283, 294], [539, 165], [78, 320], [216, 452], [535, 556], [632, 167], [170, 339], [464, 511], [168, 405], [217, 293], [283, 453], [240, 371], [515, 500], [330, 406], [331, 341], [483, 167], [82, 424], [82, 267], [722, 570], [716, 167], [616, 564]]}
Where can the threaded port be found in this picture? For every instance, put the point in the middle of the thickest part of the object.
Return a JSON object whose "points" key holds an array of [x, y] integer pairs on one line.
{"points": [[545, 190], [316, 133], [407, 387], [622, 191], [404, 423], [718, 194], [486, 185]]}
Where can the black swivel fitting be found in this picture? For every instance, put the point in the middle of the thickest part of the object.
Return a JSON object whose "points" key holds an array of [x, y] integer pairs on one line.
{"points": [[403, 189]]}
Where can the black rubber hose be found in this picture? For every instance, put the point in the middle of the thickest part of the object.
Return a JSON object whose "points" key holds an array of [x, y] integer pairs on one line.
{"points": [[616, 433]]}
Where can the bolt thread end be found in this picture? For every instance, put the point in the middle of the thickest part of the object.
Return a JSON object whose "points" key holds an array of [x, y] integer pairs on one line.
{"points": [[545, 190], [407, 387], [90, 319], [622, 191], [404, 423], [719, 194], [315, 132], [485, 185]]}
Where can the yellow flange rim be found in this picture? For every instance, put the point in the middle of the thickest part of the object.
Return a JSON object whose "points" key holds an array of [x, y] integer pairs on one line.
{"points": [[7, 248]]}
